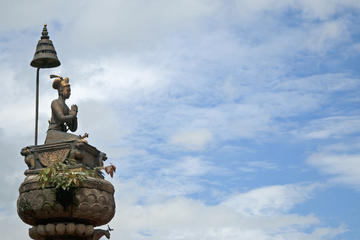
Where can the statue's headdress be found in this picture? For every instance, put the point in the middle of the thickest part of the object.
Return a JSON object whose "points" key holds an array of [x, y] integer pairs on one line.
{"points": [[59, 81]]}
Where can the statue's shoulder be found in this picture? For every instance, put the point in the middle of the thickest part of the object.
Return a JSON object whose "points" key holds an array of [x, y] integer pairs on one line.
{"points": [[55, 103]]}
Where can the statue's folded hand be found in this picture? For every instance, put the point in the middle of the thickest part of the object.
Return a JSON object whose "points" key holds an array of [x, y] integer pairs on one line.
{"points": [[72, 113], [74, 108]]}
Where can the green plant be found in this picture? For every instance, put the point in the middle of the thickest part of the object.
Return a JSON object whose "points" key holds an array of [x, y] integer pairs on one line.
{"points": [[66, 176], [63, 176]]}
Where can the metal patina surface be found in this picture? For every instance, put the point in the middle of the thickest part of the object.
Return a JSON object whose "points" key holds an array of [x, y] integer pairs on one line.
{"points": [[45, 54], [63, 118], [44, 57]]}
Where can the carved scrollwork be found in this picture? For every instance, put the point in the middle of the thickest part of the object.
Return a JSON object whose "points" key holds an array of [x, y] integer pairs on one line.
{"points": [[93, 203], [48, 158]]}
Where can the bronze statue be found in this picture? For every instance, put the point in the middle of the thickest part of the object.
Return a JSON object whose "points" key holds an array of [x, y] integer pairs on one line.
{"points": [[63, 212], [63, 118]]}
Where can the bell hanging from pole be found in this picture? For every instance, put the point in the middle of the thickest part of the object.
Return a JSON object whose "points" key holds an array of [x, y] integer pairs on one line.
{"points": [[45, 54]]}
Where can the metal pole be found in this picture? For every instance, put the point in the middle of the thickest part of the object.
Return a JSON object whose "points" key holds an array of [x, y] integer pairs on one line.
{"points": [[37, 106]]}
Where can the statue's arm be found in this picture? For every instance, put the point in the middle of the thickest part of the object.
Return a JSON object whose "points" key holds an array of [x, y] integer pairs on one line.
{"points": [[73, 125], [57, 110]]}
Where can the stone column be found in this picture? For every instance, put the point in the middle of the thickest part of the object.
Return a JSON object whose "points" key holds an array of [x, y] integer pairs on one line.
{"points": [[65, 215]]}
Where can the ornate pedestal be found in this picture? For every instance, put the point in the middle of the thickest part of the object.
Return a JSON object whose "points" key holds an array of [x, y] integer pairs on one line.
{"points": [[65, 215]]}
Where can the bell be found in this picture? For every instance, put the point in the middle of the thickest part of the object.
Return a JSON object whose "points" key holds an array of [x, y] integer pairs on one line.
{"points": [[45, 55]]}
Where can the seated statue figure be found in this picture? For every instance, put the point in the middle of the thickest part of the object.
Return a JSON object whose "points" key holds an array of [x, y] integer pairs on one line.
{"points": [[62, 118]]}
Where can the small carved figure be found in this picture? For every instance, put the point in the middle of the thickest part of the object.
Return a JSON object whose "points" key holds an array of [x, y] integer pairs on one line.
{"points": [[98, 233], [29, 157], [63, 118]]}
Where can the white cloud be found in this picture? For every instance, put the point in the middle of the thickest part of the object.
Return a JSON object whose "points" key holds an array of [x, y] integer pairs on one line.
{"points": [[195, 139], [31, 14], [254, 166], [164, 77], [224, 121], [330, 127], [134, 25], [324, 83], [271, 200], [182, 218], [12, 227], [319, 10], [13, 168], [104, 124], [319, 233], [120, 79], [189, 166], [341, 162], [322, 37], [356, 47], [323, 9]]}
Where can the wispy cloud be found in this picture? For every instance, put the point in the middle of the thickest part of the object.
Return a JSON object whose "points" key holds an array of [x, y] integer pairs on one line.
{"points": [[340, 161], [189, 166], [181, 218], [269, 201], [331, 127], [195, 139]]}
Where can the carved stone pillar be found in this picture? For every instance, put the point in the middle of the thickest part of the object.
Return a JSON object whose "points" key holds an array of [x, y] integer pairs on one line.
{"points": [[65, 215]]}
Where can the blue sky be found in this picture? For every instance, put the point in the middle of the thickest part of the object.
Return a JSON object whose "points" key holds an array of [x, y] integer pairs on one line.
{"points": [[226, 119]]}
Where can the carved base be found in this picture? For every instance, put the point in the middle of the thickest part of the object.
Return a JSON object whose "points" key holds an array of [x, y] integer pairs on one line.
{"points": [[65, 215], [61, 231], [67, 231], [92, 203]]}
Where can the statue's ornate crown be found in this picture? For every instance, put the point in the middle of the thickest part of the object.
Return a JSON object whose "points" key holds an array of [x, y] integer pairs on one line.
{"points": [[59, 81]]}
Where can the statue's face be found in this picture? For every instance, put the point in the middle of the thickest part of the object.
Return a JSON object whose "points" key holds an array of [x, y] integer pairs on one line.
{"points": [[66, 91]]}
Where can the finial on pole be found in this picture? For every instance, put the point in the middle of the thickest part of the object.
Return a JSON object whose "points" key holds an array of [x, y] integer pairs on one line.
{"points": [[44, 33], [44, 57], [45, 54]]}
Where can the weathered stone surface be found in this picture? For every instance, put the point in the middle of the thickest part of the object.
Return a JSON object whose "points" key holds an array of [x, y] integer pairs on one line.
{"points": [[60, 228], [92, 204], [62, 231], [65, 215], [40, 156]]}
